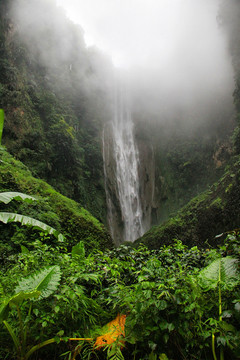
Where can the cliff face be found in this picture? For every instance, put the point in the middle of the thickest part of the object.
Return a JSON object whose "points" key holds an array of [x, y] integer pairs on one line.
{"points": [[114, 212], [149, 196], [58, 104], [52, 89], [209, 214]]}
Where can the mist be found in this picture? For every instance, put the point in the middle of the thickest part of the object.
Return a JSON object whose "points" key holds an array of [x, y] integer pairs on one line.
{"points": [[173, 54]]}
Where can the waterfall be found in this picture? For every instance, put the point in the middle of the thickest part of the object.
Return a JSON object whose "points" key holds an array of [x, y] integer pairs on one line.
{"points": [[125, 160]]}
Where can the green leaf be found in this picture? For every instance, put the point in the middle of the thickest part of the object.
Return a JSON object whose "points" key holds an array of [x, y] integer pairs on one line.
{"points": [[237, 306], [46, 281], [13, 336], [6, 197], [221, 271], [78, 250], [4, 310], [163, 357], [1, 124], [39, 346], [16, 300], [6, 218], [20, 296], [24, 250]]}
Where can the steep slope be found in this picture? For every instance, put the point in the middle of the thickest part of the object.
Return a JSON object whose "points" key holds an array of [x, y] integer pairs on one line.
{"points": [[56, 210], [211, 213], [52, 91], [56, 95]]}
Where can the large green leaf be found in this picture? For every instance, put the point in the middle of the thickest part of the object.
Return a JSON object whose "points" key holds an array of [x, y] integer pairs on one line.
{"points": [[221, 271], [6, 197], [7, 217], [46, 281], [16, 300], [1, 124]]}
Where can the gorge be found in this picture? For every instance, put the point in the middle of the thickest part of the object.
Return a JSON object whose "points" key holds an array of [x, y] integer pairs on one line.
{"points": [[120, 179], [132, 153]]}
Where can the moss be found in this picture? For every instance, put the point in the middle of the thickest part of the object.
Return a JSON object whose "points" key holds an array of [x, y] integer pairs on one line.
{"points": [[75, 222], [228, 189], [217, 202], [212, 212]]}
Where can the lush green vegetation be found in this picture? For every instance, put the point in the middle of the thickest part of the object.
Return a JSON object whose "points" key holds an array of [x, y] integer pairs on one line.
{"points": [[56, 105], [208, 214], [57, 211], [180, 302], [54, 100], [60, 276], [176, 304]]}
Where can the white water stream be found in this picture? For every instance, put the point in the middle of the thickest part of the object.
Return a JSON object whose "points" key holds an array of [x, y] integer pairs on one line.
{"points": [[126, 158]]}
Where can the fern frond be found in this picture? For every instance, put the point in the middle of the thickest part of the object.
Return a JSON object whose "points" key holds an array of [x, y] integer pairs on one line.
{"points": [[114, 353]]}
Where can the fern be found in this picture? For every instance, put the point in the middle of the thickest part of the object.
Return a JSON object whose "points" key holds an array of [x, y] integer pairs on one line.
{"points": [[6, 197], [114, 352], [46, 281]]}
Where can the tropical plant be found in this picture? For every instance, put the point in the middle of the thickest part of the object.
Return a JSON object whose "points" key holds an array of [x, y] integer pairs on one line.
{"points": [[171, 309], [221, 274], [39, 285], [6, 197], [7, 217]]}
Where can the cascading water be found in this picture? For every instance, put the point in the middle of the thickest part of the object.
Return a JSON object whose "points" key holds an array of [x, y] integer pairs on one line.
{"points": [[125, 160]]}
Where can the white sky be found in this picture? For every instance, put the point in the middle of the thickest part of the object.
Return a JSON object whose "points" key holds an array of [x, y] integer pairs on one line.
{"points": [[143, 32]]}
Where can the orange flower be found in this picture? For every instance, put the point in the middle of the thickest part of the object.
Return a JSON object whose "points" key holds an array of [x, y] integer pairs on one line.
{"points": [[114, 329]]}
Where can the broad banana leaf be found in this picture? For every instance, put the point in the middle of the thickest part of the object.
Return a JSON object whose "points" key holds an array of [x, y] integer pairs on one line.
{"points": [[6, 197], [7, 217], [222, 271], [111, 332], [44, 281], [1, 124]]}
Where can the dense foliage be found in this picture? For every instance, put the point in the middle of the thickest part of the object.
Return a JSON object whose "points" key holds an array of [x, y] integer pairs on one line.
{"points": [[54, 91], [170, 295], [172, 306], [181, 301], [50, 207], [212, 212], [53, 95]]}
